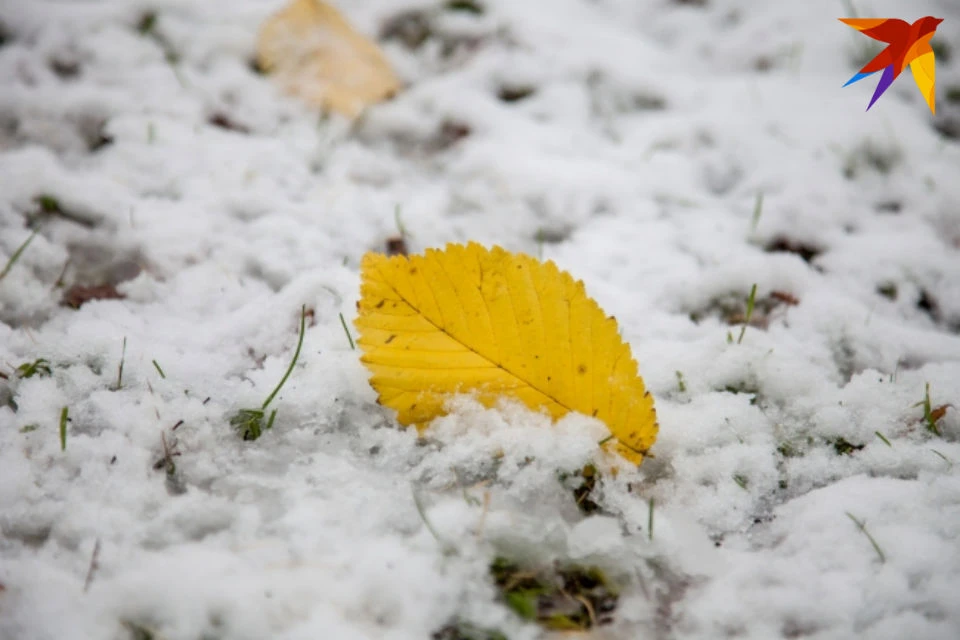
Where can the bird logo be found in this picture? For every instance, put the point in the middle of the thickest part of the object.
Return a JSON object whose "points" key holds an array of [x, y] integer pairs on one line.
{"points": [[907, 44]]}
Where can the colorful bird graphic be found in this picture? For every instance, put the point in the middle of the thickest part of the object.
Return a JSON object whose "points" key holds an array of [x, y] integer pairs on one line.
{"points": [[907, 44]]}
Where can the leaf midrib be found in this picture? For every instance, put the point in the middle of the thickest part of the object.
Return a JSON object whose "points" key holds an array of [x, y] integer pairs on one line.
{"points": [[461, 342]]}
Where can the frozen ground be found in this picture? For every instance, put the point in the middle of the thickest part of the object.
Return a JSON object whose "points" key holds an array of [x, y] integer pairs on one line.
{"points": [[628, 141]]}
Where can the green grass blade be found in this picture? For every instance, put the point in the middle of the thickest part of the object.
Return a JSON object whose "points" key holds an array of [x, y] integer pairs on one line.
{"points": [[650, 520], [296, 355], [16, 255], [64, 416], [863, 529], [751, 301], [347, 331]]}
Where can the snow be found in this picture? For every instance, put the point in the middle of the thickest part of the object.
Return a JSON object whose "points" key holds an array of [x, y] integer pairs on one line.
{"points": [[635, 164]]}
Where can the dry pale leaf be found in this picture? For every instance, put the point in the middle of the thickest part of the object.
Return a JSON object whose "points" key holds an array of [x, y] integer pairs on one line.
{"points": [[493, 323], [313, 52]]}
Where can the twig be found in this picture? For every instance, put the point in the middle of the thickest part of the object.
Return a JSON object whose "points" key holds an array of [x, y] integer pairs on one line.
{"points": [[169, 451], [94, 565]]}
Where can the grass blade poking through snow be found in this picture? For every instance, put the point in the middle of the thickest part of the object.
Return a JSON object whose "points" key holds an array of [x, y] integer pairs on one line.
{"points": [[347, 331], [16, 255], [757, 212], [681, 384], [650, 520], [401, 228], [751, 301], [448, 549], [123, 356], [944, 458], [64, 416], [39, 367], [931, 415], [296, 355], [249, 422], [862, 525]]}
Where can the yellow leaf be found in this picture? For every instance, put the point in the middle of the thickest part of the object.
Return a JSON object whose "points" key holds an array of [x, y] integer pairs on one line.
{"points": [[473, 320], [314, 53]]}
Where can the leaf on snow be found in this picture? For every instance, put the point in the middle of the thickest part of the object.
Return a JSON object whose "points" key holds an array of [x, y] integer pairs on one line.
{"points": [[314, 53], [470, 319]]}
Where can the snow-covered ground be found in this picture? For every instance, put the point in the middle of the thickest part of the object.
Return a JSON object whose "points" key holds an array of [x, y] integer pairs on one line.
{"points": [[797, 490]]}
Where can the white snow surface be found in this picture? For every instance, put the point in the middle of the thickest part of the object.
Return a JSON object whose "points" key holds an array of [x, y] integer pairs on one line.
{"points": [[635, 164]]}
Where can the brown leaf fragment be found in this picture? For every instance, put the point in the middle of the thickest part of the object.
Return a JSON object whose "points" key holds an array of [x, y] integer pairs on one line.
{"points": [[311, 316], [78, 295], [314, 53], [450, 133], [785, 297], [396, 246], [806, 251], [939, 412], [223, 121]]}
